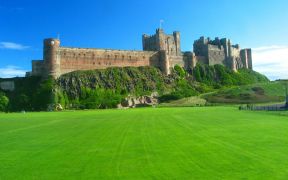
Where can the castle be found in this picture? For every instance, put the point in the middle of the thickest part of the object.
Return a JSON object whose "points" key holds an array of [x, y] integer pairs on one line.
{"points": [[160, 50]]}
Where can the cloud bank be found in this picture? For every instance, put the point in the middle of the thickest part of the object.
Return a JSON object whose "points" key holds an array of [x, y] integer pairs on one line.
{"points": [[11, 45], [12, 71], [271, 61]]}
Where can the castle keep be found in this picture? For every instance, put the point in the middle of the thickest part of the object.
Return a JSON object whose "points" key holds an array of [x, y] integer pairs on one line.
{"points": [[160, 50]]}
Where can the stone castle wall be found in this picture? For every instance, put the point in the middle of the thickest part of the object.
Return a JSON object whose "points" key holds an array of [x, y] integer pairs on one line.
{"points": [[216, 55], [160, 50], [73, 59]]}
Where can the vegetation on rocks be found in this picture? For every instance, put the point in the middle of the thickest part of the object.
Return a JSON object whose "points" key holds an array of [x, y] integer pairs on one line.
{"points": [[107, 88], [219, 76], [30, 94]]}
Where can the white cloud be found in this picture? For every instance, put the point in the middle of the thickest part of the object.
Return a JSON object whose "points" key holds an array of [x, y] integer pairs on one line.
{"points": [[269, 48], [271, 61], [11, 45], [12, 71]]}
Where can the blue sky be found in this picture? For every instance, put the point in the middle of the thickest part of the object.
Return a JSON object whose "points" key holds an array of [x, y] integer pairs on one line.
{"points": [[259, 24]]}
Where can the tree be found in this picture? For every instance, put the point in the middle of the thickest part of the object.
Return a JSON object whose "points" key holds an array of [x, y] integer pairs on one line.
{"points": [[4, 101]]}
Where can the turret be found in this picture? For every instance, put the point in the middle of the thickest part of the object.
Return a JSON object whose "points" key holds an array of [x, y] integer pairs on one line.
{"points": [[145, 38], [176, 35], [229, 48], [249, 57], [51, 58], [160, 40]]}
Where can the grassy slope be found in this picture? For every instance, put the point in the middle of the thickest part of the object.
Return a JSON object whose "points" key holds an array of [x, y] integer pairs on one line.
{"points": [[185, 102], [182, 143], [273, 92]]}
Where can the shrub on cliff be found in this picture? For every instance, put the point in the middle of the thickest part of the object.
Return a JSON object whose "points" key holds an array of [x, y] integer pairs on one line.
{"points": [[183, 88], [180, 71], [4, 101], [99, 98], [218, 76]]}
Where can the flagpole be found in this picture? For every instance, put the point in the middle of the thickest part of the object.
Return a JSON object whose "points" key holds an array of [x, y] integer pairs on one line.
{"points": [[286, 94]]}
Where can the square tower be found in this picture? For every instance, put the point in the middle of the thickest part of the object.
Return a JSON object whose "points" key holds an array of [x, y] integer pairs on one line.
{"points": [[162, 42]]}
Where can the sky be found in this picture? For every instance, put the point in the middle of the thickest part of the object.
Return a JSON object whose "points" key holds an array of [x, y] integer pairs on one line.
{"points": [[257, 24]]}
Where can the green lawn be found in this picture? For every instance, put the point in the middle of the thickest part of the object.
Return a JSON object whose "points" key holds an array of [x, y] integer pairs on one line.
{"points": [[159, 143]]}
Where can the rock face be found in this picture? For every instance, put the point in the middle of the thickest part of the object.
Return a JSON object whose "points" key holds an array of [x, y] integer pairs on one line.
{"points": [[55, 107], [142, 101]]}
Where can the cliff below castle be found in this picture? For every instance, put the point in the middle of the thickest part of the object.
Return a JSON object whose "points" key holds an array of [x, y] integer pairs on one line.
{"points": [[109, 87]]}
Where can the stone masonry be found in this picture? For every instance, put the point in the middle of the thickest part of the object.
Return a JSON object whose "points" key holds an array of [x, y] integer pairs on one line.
{"points": [[160, 50]]}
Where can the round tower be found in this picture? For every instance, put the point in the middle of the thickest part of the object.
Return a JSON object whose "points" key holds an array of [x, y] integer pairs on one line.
{"points": [[51, 57]]}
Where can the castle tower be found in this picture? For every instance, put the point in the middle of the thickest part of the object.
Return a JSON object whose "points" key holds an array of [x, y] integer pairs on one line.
{"points": [[229, 44], [165, 63], [233, 64], [176, 35], [51, 57], [249, 59], [224, 43], [167, 44], [244, 58], [160, 40]]}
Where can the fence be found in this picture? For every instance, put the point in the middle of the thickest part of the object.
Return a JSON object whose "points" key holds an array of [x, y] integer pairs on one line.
{"points": [[275, 107]]}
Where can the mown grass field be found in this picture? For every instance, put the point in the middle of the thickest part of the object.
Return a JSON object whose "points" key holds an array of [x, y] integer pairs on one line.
{"points": [[159, 143]]}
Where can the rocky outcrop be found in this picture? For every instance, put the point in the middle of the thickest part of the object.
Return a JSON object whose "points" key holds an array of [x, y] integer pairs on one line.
{"points": [[55, 107], [128, 79], [142, 101]]}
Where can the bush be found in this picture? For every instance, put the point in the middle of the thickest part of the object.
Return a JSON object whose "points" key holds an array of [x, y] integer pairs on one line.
{"points": [[183, 89], [99, 98], [4, 101], [179, 71], [219, 75]]}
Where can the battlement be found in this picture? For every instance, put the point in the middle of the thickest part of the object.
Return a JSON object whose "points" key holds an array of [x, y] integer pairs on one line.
{"points": [[216, 42]]}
